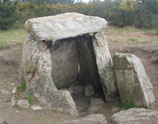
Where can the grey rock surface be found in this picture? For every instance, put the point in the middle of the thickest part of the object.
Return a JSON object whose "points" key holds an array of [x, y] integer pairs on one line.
{"points": [[89, 90], [95, 105], [63, 26], [105, 66], [133, 83], [36, 107], [5, 92], [64, 57], [77, 89], [59, 100], [13, 101], [135, 116], [23, 104], [90, 119]]}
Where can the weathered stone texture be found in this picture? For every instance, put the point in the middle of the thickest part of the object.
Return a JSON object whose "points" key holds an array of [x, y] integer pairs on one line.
{"points": [[90, 119], [105, 66], [63, 26], [135, 116], [64, 56], [133, 83], [36, 72], [54, 48], [44, 89]]}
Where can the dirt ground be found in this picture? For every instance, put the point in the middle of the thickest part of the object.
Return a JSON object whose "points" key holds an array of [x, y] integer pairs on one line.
{"points": [[9, 69]]}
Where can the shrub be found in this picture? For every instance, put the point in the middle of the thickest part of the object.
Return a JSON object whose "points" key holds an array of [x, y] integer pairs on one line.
{"points": [[7, 15]]}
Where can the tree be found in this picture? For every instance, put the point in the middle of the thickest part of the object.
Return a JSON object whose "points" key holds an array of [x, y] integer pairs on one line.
{"points": [[7, 14], [63, 1], [155, 23]]}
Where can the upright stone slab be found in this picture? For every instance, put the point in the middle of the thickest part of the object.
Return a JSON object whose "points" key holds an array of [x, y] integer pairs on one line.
{"points": [[105, 66], [133, 83], [36, 73], [64, 56]]}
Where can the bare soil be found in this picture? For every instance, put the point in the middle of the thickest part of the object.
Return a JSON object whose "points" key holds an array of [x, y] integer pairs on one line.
{"points": [[9, 69]]}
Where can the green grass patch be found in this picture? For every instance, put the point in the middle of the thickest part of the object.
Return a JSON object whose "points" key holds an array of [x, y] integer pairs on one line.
{"points": [[22, 87], [13, 35], [29, 97], [133, 39], [128, 105], [128, 29]]}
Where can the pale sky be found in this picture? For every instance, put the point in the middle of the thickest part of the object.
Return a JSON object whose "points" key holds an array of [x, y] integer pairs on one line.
{"points": [[86, 1]]}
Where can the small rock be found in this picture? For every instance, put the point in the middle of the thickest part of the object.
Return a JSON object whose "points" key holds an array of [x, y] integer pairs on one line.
{"points": [[97, 101], [12, 84], [23, 104], [154, 60], [95, 105], [94, 109], [35, 107], [14, 90], [7, 100], [13, 101], [90, 119], [5, 92], [76, 89], [89, 90]]}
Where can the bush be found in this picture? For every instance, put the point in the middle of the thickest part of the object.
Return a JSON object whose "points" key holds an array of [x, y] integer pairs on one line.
{"points": [[7, 15]]}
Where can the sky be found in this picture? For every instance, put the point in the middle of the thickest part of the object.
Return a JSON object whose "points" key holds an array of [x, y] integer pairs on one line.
{"points": [[86, 1]]}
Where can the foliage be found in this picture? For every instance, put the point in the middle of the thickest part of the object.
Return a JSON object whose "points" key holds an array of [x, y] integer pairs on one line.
{"points": [[155, 22], [128, 105], [121, 13], [127, 5], [22, 87], [12, 37], [29, 97], [7, 14]]}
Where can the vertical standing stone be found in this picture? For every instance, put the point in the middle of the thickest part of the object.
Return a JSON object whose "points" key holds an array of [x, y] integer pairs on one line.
{"points": [[105, 66], [64, 57], [36, 68], [133, 83]]}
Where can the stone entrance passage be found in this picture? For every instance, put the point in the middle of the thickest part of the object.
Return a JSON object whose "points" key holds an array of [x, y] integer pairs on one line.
{"points": [[62, 51]]}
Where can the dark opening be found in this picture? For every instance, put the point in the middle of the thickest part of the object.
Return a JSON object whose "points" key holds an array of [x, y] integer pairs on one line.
{"points": [[74, 64]]}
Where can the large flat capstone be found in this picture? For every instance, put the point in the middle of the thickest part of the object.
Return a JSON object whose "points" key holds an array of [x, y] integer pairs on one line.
{"points": [[63, 26]]}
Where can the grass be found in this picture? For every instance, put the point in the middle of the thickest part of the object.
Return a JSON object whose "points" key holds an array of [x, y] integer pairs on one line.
{"points": [[128, 105], [128, 29], [13, 36], [130, 35], [113, 34], [29, 97]]}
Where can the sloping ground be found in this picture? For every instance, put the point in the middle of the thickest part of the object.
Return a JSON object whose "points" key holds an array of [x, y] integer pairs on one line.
{"points": [[9, 68]]}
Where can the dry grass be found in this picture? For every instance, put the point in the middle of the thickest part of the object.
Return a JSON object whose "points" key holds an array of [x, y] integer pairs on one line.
{"points": [[130, 34], [114, 34], [12, 37]]}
